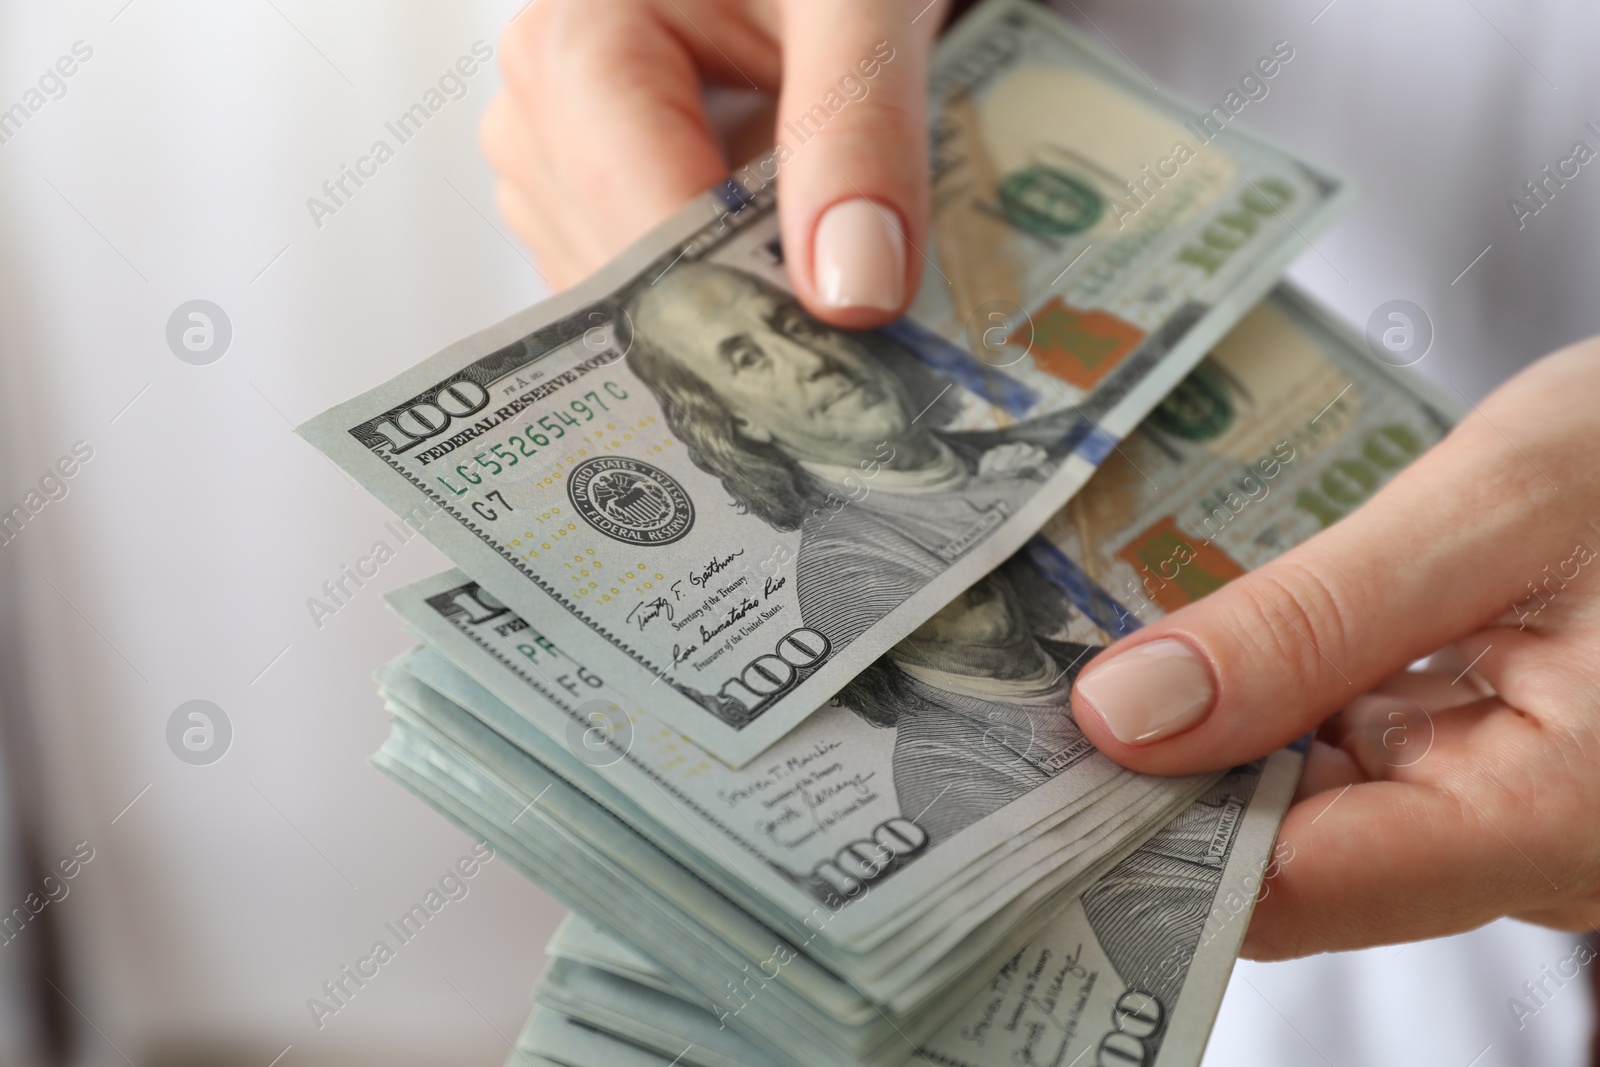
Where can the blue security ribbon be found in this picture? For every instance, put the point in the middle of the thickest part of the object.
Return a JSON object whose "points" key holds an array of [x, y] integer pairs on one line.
{"points": [[954, 362], [734, 196], [1065, 574], [1095, 445]]}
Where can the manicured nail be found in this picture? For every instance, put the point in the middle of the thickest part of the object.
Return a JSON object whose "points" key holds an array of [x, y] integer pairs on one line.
{"points": [[1149, 692], [860, 256]]}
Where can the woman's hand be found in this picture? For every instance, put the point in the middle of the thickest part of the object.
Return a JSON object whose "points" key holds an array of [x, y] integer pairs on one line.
{"points": [[1443, 800], [601, 132]]}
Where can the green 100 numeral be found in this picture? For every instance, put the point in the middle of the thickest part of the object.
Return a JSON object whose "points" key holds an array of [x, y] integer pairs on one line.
{"points": [[1351, 480]]}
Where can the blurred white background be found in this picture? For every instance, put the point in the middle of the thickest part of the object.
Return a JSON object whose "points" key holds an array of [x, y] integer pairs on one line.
{"points": [[177, 166]]}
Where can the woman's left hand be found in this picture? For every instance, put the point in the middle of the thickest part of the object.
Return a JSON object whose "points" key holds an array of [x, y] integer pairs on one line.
{"points": [[1431, 802]]}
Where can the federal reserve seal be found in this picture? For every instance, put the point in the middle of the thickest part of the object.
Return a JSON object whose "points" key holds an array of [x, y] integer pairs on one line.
{"points": [[630, 501]]}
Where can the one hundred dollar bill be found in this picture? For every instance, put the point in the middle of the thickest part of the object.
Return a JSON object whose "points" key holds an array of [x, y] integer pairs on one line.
{"points": [[976, 795], [969, 779], [953, 755], [606, 846], [732, 509], [1131, 973], [1285, 428], [602, 866]]}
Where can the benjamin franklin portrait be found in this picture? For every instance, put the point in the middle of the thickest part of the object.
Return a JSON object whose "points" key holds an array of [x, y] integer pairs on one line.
{"points": [[978, 701], [837, 434]]}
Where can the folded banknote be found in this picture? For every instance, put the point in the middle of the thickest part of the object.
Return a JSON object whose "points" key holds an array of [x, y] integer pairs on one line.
{"points": [[732, 508]]}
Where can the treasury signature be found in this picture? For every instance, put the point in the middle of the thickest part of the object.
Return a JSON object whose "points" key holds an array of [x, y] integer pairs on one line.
{"points": [[647, 611]]}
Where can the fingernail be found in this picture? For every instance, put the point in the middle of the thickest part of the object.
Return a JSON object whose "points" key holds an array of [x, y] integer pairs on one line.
{"points": [[1149, 692], [860, 256]]}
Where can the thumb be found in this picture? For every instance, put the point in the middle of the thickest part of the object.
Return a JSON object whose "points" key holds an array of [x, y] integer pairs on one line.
{"points": [[851, 154], [1436, 555]]}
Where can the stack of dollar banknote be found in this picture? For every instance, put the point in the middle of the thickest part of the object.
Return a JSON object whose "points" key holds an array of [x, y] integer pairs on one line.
{"points": [[759, 653]]}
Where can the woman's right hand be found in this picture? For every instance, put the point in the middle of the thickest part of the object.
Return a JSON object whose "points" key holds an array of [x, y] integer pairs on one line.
{"points": [[600, 133]]}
